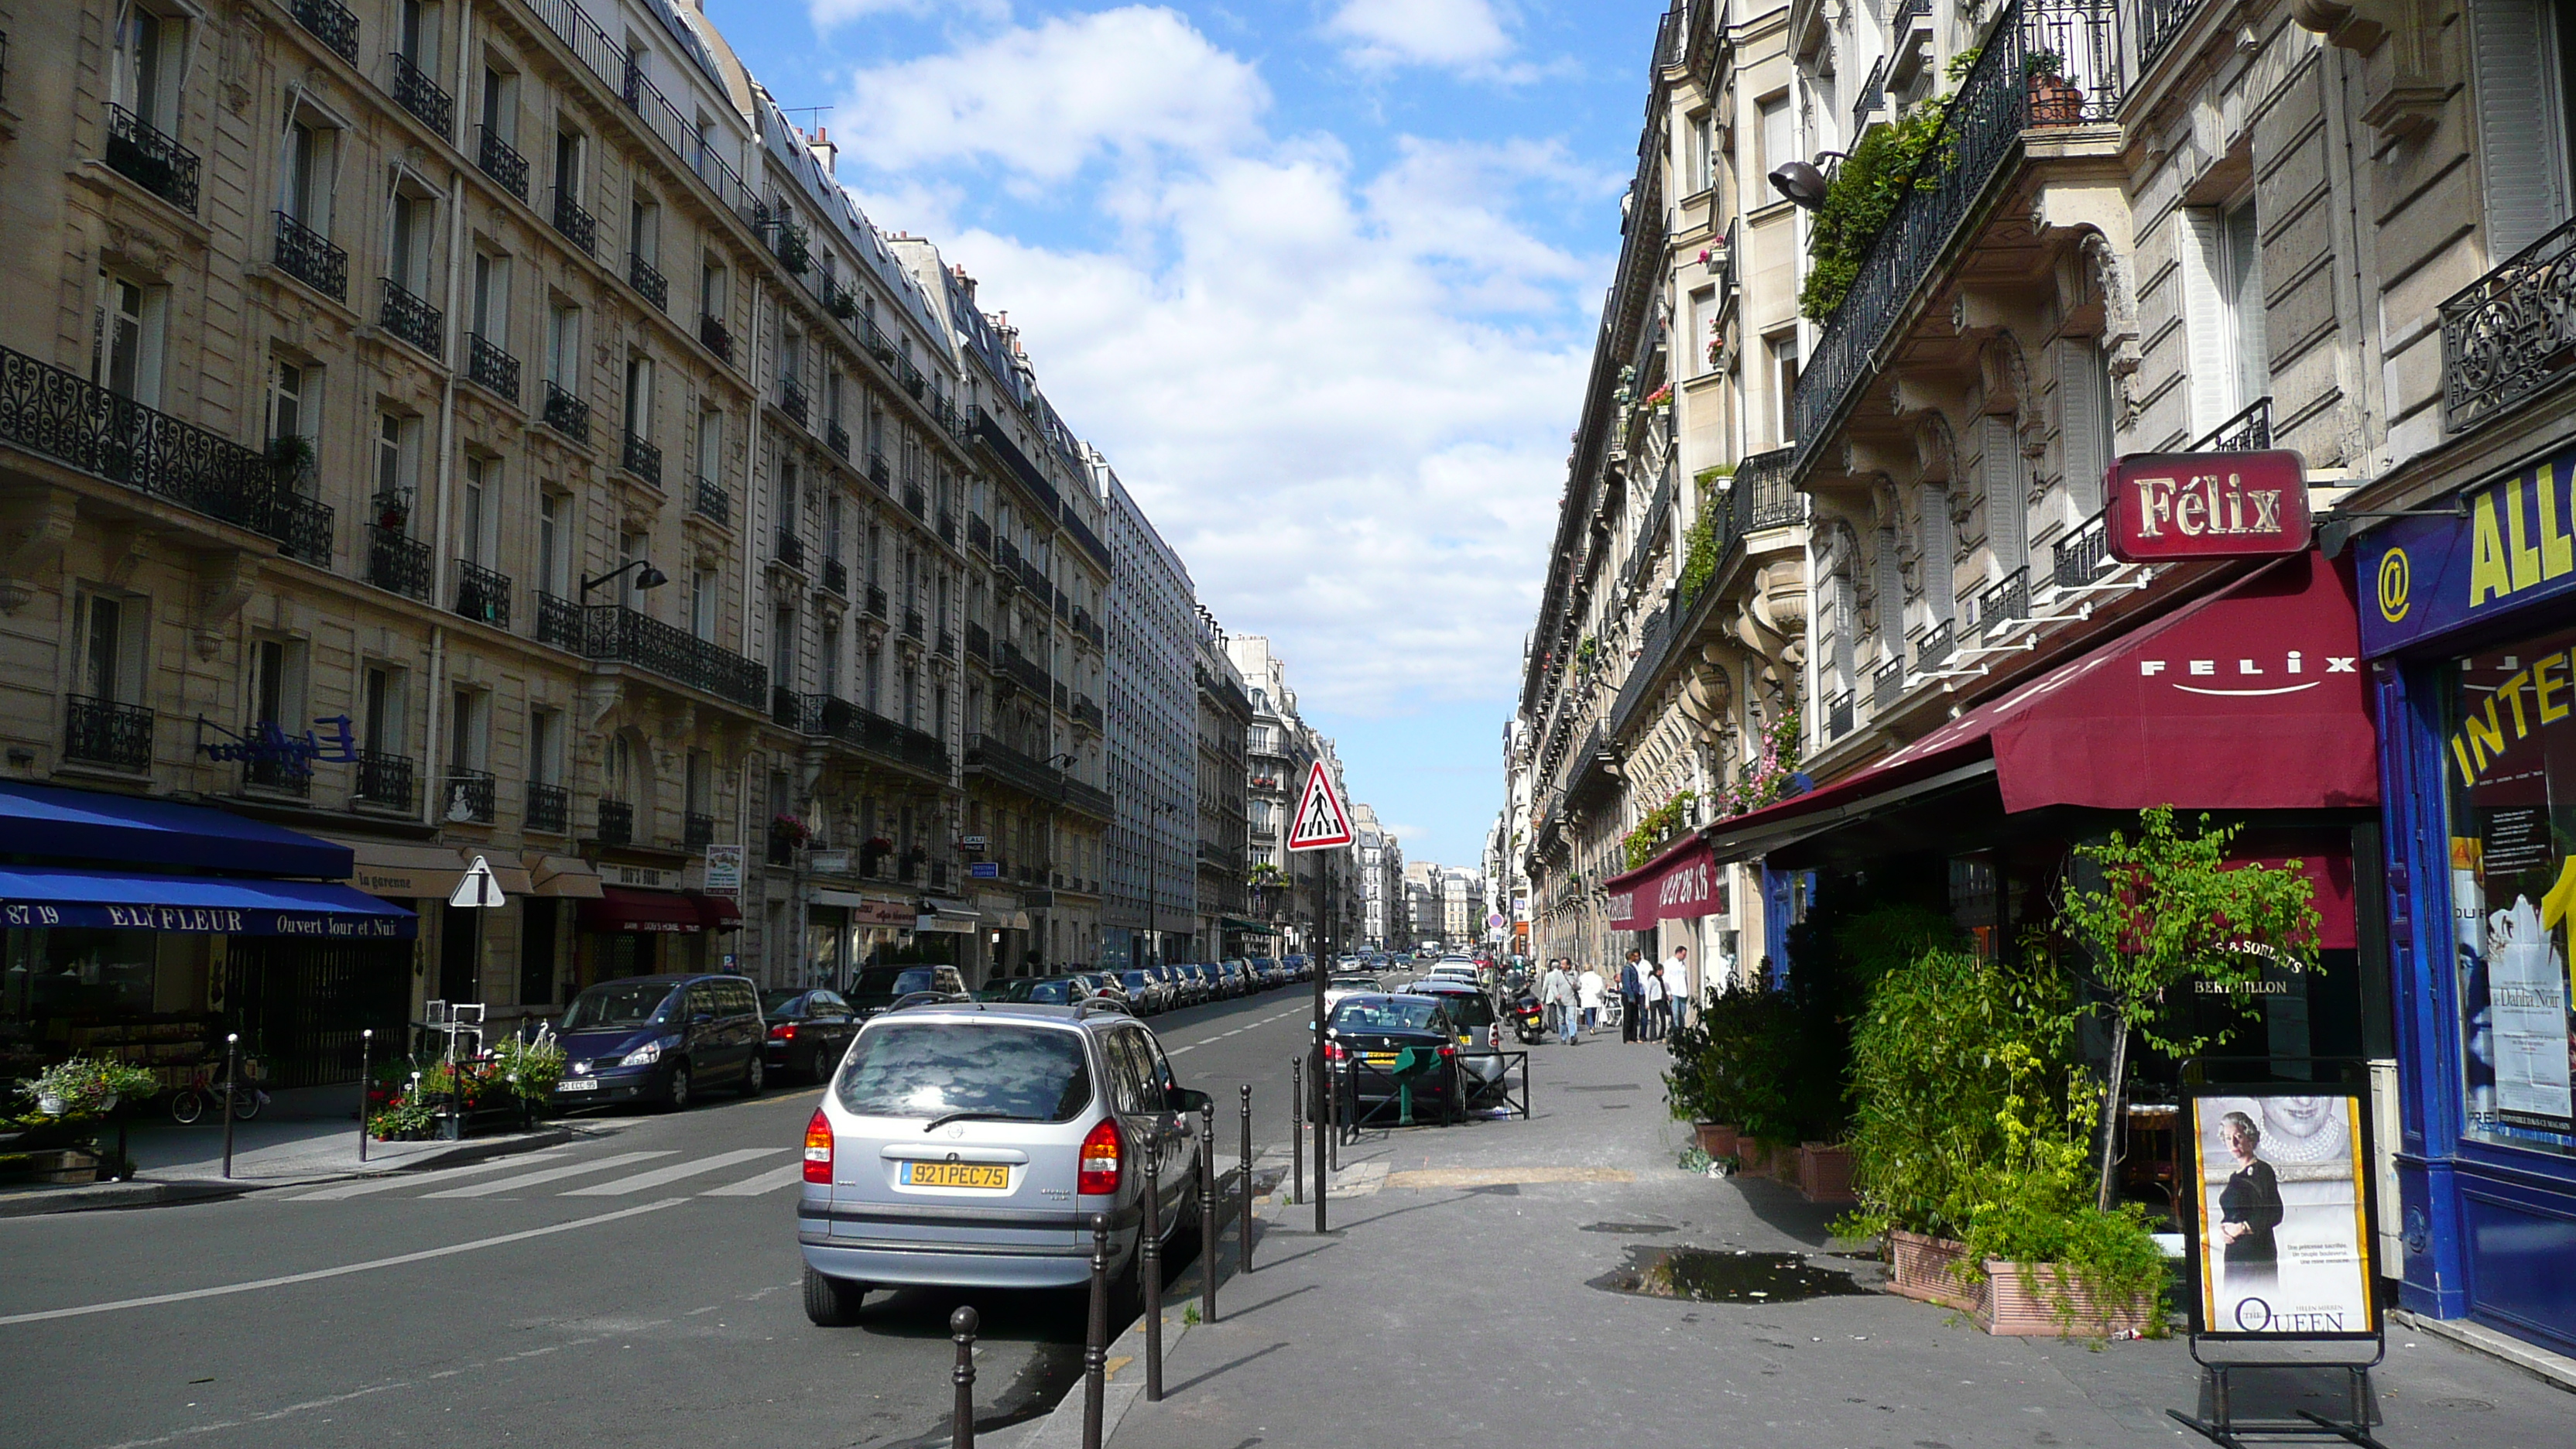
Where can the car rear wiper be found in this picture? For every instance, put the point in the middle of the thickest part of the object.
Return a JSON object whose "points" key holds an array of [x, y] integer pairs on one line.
{"points": [[944, 1118]]}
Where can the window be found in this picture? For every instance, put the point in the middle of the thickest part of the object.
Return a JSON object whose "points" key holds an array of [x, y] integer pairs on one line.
{"points": [[111, 664], [125, 355], [1779, 139], [466, 737], [149, 52], [491, 299], [710, 444], [563, 348], [2222, 281], [545, 746], [408, 236], [911, 697], [571, 149], [876, 682], [639, 397], [831, 682], [644, 230], [397, 462], [700, 784], [791, 356], [1700, 169], [711, 289], [621, 769], [306, 180], [2085, 420], [479, 540], [782, 647], [380, 728], [292, 407], [787, 497], [2523, 58], [416, 33], [274, 686], [832, 525], [1939, 556], [704, 596], [501, 105], [554, 539], [1704, 337], [1784, 389], [2007, 506]]}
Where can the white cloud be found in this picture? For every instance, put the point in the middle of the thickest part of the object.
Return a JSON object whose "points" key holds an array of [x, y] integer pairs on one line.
{"points": [[1042, 101], [1448, 34], [829, 14]]}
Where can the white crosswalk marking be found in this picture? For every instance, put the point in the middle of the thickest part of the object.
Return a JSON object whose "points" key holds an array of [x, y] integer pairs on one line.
{"points": [[770, 1181], [673, 1173], [427, 1178], [551, 1174]]}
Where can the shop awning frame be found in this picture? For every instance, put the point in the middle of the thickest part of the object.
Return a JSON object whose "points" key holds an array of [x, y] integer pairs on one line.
{"points": [[657, 912], [37, 896], [46, 822]]}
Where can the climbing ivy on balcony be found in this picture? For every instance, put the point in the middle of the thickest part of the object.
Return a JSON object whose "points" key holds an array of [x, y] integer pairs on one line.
{"points": [[1909, 153], [1659, 823]]}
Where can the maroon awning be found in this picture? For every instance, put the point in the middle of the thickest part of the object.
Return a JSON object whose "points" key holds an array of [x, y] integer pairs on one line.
{"points": [[1677, 885], [719, 913], [620, 909]]}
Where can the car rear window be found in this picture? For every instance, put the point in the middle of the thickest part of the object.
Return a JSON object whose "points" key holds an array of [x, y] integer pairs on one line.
{"points": [[1470, 1011], [931, 1069], [881, 985], [1378, 1013]]}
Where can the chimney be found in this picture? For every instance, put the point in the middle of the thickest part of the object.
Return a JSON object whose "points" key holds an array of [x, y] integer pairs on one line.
{"points": [[824, 151]]}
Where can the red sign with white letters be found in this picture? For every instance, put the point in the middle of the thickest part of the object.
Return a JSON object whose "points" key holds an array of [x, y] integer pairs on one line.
{"points": [[2160, 507]]}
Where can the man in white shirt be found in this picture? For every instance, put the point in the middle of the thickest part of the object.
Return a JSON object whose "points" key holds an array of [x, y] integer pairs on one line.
{"points": [[1677, 987], [1589, 988]]}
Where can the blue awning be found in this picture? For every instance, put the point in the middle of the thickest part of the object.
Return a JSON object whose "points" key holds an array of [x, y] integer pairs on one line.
{"points": [[198, 905], [89, 825]]}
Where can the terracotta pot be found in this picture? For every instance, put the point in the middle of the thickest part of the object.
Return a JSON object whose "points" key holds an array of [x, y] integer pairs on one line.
{"points": [[1755, 1156], [2026, 1308], [1717, 1139], [1927, 1269], [2055, 101], [1824, 1172]]}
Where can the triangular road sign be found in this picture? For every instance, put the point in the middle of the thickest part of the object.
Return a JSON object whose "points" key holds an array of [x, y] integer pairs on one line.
{"points": [[477, 888], [1320, 821]]}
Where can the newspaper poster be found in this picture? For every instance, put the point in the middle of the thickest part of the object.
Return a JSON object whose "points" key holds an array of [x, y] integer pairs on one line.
{"points": [[2281, 1232]]}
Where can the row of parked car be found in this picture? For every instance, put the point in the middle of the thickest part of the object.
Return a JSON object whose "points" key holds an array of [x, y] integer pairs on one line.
{"points": [[1149, 990]]}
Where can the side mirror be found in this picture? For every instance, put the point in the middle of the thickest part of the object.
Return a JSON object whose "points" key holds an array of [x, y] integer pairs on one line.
{"points": [[1188, 1100]]}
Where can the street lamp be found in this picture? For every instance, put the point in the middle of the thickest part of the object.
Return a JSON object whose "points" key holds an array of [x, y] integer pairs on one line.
{"points": [[1804, 182], [646, 577]]}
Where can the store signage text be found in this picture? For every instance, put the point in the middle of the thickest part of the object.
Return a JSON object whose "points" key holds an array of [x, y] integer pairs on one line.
{"points": [[2166, 506], [266, 744], [2254, 676], [2512, 543], [210, 921], [2540, 694]]}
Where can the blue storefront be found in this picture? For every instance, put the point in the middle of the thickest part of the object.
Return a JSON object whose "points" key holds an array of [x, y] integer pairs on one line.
{"points": [[2468, 622]]}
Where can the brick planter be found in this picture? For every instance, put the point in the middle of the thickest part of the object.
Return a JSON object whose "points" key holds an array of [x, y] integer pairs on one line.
{"points": [[2014, 1308], [1927, 1269], [1717, 1139], [1824, 1173]]}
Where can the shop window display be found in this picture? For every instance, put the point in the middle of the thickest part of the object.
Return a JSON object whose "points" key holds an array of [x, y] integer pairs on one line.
{"points": [[2511, 766]]}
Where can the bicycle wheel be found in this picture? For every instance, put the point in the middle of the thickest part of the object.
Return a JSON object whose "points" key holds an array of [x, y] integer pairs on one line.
{"points": [[246, 1103], [187, 1105]]}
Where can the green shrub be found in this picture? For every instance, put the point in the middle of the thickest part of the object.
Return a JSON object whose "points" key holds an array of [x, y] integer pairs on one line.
{"points": [[1737, 1064], [1863, 194]]}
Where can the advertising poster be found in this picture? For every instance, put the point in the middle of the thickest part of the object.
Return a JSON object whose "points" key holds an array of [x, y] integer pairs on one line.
{"points": [[2283, 1242]]}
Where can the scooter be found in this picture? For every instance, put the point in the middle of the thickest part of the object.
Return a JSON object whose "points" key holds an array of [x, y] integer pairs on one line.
{"points": [[1529, 1020]]}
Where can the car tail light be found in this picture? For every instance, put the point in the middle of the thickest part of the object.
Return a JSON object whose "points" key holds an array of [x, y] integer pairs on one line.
{"points": [[1100, 1160], [784, 1031], [1333, 1051], [818, 1148], [1448, 1049]]}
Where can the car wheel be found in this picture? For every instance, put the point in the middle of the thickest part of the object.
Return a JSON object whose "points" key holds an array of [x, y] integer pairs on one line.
{"points": [[675, 1092], [830, 1302], [755, 1075], [815, 1067]]}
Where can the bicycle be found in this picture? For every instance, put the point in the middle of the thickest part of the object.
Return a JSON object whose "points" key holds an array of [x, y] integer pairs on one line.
{"points": [[208, 1088]]}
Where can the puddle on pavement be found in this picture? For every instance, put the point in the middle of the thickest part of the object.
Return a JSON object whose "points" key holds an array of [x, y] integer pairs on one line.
{"points": [[1706, 1275]]}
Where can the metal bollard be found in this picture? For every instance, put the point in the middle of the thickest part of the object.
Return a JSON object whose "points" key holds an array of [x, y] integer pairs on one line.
{"points": [[366, 1084], [1095, 1345], [1297, 1131], [224, 1102], [961, 1426], [1151, 1249], [1243, 1222], [1207, 1212]]}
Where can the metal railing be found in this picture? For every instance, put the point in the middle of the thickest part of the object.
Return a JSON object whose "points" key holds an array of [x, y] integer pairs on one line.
{"points": [[490, 368], [1873, 95], [412, 319], [991, 757], [2246, 432], [616, 634], [607, 60], [383, 779], [577, 226], [482, 594], [2084, 554], [913, 502], [1838, 715], [309, 257], [947, 528], [876, 601], [278, 776], [831, 717], [142, 154], [945, 646], [2158, 22], [713, 503], [791, 397], [697, 831], [469, 796], [715, 336], [979, 642], [616, 822], [107, 732], [791, 548], [837, 438], [836, 577], [331, 23], [979, 534], [417, 93], [1936, 646], [502, 162], [2002, 602], [642, 459], [397, 562], [549, 807], [878, 473], [912, 623], [566, 414], [648, 283], [1887, 684]]}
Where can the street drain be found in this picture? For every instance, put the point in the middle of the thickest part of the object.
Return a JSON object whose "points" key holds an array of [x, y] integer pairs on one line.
{"points": [[1704, 1275]]}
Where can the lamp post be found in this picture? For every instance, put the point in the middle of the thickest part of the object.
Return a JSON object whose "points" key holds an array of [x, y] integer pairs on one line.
{"points": [[646, 577]]}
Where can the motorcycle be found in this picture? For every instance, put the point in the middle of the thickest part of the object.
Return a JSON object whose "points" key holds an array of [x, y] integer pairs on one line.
{"points": [[1529, 1020]]}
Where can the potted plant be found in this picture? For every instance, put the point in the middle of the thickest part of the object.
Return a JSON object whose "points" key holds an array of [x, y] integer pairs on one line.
{"points": [[86, 1087], [1661, 399], [844, 304], [2054, 100], [290, 460], [393, 510]]}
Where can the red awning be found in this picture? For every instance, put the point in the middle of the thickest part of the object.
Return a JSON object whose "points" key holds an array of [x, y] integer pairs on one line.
{"points": [[2249, 699], [1677, 885], [620, 909], [719, 913]]}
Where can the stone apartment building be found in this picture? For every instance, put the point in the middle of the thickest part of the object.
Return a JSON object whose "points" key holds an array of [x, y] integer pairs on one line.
{"points": [[1224, 830], [1154, 742]]}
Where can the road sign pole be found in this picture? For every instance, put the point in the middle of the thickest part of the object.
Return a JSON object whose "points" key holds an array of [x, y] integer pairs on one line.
{"points": [[1323, 958]]}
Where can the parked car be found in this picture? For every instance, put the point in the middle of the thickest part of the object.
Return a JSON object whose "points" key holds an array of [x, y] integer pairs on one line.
{"points": [[1054, 991], [1355, 983], [1265, 973], [1176, 985], [1203, 982], [1409, 1047], [1469, 1007], [879, 987], [659, 1038], [1145, 989], [969, 1146], [807, 1032]]}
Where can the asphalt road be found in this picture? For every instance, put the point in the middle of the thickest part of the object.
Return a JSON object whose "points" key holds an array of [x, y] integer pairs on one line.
{"points": [[640, 1288]]}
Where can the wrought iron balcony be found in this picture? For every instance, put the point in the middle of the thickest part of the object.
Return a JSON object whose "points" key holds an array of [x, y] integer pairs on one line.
{"points": [[2084, 555], [418, 94], [649, 283], [1887, 685], [913, 381], [876, 601], [578, 226], [490, 368], [791, 549], [616, 823], [383, 780], [979, 643], [1838, 715], [549, 808], [413, 320], [1020, 669], [150, 159], [2248, 431], [913, 503], [2002, 602], [948, 528], [642, 459], [713, 333], [791, 398], [697, 831], [878, 472], [278, 777], [397, 562], [912, 623], [309, 257], [1034, 579], [836, 577], [1087, 713], [559, 622], [990, 757], [483, 594], [106, 732], [837, 438], [946, 644], [502, 162], [831, 717], [567, 414], [331, 23], [879, 345], [2158, 22], [468, 796], [1936, 646], [1873, 96], [616, 634], [713, 503]]}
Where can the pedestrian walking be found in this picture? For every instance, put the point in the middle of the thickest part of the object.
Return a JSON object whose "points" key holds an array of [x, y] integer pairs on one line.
{"points": [[1589, 988], [1677, 987], [1654, 1004], [1632, 989], [1560, 999]]}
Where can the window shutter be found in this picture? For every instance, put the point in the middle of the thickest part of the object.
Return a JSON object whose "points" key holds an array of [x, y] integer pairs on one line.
{"points": [[2083, 432], [1891, 597], [2001, 467], [1939, 561], [2520, 145], [2204, 319]]}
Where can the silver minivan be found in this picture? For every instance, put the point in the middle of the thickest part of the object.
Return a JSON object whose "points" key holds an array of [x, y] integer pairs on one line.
{"points": [[969, 1144]]}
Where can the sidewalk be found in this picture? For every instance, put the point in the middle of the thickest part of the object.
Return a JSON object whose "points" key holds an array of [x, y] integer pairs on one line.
{"points": [[1453, 1304]]}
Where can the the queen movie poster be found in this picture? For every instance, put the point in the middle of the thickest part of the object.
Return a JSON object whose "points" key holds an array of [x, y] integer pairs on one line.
{"points": [[2283, 1246]]}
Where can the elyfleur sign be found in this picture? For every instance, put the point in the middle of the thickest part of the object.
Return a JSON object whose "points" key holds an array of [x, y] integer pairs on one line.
{"points": [[2161, 507]]}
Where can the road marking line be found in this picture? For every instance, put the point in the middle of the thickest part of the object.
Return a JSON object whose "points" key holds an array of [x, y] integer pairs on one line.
{"points": [[551, 1174], [673, 1173], [1176, 1051], [424, 1177], [770, 1181], [318, 1274]]}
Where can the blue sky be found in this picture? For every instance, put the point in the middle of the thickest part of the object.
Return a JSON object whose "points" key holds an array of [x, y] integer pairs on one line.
{"points": [[1319, 276]]}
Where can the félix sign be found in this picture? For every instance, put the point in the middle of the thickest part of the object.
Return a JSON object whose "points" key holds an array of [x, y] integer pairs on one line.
{"points": [[2159, 507], [265, 743]]}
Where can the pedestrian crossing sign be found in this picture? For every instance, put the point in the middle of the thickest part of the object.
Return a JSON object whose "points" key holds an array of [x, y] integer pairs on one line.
{"points": [[477, 889], [1320, 821]]}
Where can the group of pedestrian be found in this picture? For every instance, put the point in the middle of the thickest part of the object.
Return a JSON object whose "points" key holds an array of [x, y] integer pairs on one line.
{"points": [[1572, 998], [1657, 999]]}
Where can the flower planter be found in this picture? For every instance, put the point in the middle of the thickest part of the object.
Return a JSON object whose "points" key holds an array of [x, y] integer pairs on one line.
{"points": [[64, 1165], [1717, 1139], [1824, 1172], [2055, 101], [1928, 1269], [1754, 1157], [2020, 1302]]}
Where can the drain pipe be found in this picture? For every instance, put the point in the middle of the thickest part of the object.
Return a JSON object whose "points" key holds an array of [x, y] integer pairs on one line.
{"points": [[429, 794]]}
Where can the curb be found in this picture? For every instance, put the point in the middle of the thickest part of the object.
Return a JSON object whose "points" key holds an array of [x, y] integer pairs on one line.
{"points": [[2552, 1369], [145, 1191], [99, 1196]]}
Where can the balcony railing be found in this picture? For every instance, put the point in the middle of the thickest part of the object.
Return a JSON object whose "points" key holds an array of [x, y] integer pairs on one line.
{"points": [[106, 732], [309, 257], [1887, 685], [648, 283], [490, 368], [912, 623], [836, 577], [945, 646], [151, 160], [2002, 602], [642, 459], [876, 602], [412, 319], [1022, 670], [2084, 555], [697, 832], [616, 634], [483, 594], [713, 503], [397, 562], [1838, 715], [791, 549], [948, 528], [989, 756], [878, 472], [567, 414], [418, 94], [1936, 647], [913, 503], [791, 398], [616, 822], [332, 24], [578, 226], [827, 716], [2246, 432], [2158, 22], [1087, 714], [1873, 95], [549, 808], [713, 333], [979, 643], [837, 438], [502, 162], [383, 780], [278, 776], [469, 797]]}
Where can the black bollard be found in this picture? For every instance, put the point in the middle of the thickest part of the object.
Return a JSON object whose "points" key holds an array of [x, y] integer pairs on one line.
{"points": [[366, 1084], [961, 1429], [1297, 1131], [224, 1099], [1095, 1345], [1207, 1212], [1151, 1249], [1243, 1223]]}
